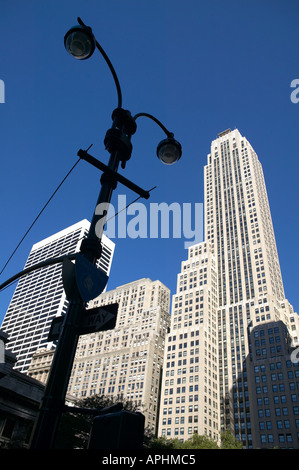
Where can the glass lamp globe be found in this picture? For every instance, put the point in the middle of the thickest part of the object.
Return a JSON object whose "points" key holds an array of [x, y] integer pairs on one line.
{"points": [[169, 151], [79, 42]]}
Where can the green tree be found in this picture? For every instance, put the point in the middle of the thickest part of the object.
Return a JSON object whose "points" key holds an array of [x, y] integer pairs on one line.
{"points": [[229, 441], [163, 443], [75, 427], [196, 442], [199, 442]]}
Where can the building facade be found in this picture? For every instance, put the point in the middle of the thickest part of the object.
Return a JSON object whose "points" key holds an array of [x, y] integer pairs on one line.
{"points": [[40, 295], [125, 363], [239, 227], [245, 291], [274, 378], [20, 397], [227, 360], [190, 401], [41, 363]]}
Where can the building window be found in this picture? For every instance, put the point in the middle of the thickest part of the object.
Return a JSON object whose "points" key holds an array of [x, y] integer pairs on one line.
{"points": [[263, 438], [8, 428]]}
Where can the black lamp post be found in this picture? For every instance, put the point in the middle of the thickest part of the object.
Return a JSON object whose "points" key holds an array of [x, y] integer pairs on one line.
{"points": [[81, 43]]}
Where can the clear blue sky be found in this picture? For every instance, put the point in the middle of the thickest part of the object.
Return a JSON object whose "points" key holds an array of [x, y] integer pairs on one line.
{"points": [[200, 66]]}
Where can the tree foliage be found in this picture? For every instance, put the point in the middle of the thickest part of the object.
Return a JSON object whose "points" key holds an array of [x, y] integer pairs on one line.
{"points": [[228, 441], [199, 442], [196, 442], [75, 429]]}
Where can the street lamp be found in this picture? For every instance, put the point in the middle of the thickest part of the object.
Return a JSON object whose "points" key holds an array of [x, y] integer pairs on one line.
{"points": [[81, 43]]}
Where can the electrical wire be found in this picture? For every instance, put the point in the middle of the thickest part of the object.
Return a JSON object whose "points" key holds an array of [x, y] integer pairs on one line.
{"points": [[113, 216], [58, 187], [4, 286]]}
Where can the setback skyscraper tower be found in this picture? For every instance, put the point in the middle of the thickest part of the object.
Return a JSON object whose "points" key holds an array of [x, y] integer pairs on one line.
{"points": [[241, 307], [239, 227]]}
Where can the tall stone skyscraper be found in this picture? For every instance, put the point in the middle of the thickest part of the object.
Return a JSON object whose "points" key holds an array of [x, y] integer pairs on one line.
{"points": [[238, 222], [240, 308], [239, 227], [40, 296]]}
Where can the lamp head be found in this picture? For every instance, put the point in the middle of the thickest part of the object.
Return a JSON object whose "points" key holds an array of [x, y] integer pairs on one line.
{"points": [[80, 42], [169, 150]]}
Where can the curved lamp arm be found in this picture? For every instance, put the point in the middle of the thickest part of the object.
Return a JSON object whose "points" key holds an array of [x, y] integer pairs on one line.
{"points": [[80, 42], [169, 134], [99, 47], [169, 150]]}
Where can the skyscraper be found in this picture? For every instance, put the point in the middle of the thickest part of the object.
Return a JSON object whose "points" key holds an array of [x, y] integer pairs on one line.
{"points": [[40, 296], [249, 292], [239, 227]]}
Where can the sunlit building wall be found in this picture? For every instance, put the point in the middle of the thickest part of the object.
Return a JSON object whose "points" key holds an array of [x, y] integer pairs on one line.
{"points": [[40, 295]]}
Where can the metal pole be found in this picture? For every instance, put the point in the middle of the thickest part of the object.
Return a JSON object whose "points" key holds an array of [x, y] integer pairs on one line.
{"points": [[54, 397], [53, 401]]}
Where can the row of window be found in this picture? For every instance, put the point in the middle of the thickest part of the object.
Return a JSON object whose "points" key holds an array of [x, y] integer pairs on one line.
{"points": [[284, 411], [282, 438], [280, 424]]}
